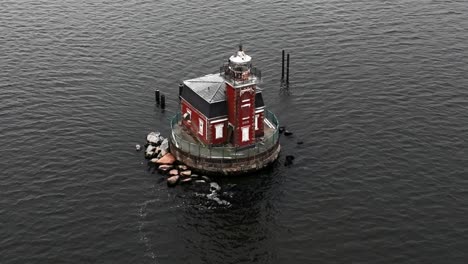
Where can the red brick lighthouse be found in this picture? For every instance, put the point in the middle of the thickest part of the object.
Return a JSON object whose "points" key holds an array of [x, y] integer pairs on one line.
{"points": [[223, 124], [244, 119]]}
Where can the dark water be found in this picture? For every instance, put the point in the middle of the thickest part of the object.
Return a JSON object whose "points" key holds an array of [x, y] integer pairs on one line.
{"points": [[378, 95]]}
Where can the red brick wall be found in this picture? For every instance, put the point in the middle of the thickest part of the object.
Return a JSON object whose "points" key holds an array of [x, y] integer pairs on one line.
{"points": [[193, 124], [231, 103], [241, 116], [246, 106], [237, 115]]}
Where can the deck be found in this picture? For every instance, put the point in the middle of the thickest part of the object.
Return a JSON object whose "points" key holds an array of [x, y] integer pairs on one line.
{"points": [[185, 141]]}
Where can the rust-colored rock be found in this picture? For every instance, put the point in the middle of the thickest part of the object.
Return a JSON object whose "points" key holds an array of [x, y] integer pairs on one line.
{"points": [[167, 159]]}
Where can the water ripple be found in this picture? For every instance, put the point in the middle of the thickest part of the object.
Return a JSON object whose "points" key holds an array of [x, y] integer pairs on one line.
{"points": [[377, 96]]}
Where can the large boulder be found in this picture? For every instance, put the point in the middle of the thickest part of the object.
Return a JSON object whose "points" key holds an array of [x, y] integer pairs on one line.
{"points": [[185, 173], [164, 147], [182, 167], [153, 138], [215, 187], [167, 159], [150, 151], [172, 181], [165, 168], [174, 172]]}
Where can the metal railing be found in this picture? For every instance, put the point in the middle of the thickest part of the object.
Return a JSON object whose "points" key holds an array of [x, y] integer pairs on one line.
{"points": [[255, 75], [226, 153]]}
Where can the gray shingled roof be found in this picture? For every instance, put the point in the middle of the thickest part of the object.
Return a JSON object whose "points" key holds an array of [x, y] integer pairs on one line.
{"points": [[207, 95], [210, 87]]}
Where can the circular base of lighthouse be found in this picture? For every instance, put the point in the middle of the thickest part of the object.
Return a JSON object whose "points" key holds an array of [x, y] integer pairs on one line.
{"points": [[189, 148], [227, 166]]}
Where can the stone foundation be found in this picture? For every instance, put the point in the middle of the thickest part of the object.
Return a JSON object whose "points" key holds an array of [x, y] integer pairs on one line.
{"points": [[227, 166]]}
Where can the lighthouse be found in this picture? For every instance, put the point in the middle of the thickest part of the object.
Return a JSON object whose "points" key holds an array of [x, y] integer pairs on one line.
{"points": [[245, 120], [223, 124]]}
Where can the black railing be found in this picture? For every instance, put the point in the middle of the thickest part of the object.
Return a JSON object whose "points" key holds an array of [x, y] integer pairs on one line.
{"points": [[252, 75]]}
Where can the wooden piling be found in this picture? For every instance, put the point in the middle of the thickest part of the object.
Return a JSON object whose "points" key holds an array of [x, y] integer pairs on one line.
{"points": [[156, 96], [163, 101], [282, 66], [287, 69], [181, 87]]}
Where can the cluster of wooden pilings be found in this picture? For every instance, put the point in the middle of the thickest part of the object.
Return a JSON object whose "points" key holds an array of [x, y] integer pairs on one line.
{"points": [[160, 99], [287, 68]]}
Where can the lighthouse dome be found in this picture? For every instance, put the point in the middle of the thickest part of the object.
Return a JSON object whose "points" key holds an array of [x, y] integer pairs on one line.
{"points": [[240, 57]]}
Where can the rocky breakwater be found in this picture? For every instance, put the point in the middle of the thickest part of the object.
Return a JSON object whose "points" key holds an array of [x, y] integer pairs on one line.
{"points": [[158, 153]]}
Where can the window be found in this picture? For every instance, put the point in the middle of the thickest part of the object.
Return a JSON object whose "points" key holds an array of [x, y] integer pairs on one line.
{"points": [[201, 125], [245, 134], [188, 115], [219, 131], [256, 122]]}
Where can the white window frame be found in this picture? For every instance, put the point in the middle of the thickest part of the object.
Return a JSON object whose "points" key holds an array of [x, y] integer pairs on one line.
{"points": [[257, 116], [201, 126], [245, 134], [219, 130]]}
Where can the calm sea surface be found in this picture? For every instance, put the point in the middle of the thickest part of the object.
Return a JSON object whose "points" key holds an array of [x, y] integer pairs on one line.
{"points": [[379, 95]]}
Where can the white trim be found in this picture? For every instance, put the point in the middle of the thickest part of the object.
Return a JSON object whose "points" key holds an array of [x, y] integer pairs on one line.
{"points": [[256, 121], [216, 117], [201, 126], [268, 123], [245, 118], [240, 86], [247, 90], [217, 121], [246, 100], [259, 111], [245, 105]]}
